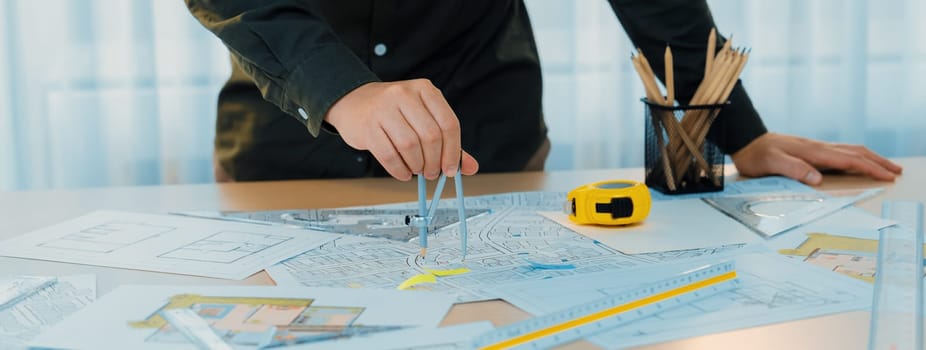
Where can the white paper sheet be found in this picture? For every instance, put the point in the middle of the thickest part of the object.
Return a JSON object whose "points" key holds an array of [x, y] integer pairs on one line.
{"points": [[671, 225], [774, 289], [29, 317], [164, 243], [105, 324]]}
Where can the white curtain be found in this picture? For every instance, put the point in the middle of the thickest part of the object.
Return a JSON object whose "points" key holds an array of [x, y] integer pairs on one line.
{"points": [[123, 92], [838, 70], [106, 92]]}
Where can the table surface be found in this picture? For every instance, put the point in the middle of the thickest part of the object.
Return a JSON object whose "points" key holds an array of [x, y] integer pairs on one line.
{"points": [[26, 211]]}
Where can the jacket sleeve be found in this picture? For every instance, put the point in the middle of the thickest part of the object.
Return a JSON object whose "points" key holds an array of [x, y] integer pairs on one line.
{"points": [[292, 54], [685, 26]]}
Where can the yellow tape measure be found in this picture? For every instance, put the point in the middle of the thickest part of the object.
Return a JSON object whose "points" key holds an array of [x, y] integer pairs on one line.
{"points": [[617, 202]]}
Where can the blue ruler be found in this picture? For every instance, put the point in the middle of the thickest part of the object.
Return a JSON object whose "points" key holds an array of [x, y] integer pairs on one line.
{"points": [[588, 319], [897, 308]]}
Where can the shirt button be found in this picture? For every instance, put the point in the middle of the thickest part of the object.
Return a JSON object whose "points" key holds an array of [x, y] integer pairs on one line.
{"points": [[379, 49], [303, 114], [359, 159]]}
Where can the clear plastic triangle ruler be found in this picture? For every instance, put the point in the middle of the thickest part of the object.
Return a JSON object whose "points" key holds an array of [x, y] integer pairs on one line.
{"points": [[897, 308], [773, 213], [588, 319]]}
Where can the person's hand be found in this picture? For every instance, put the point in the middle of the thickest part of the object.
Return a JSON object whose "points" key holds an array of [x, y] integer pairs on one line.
{"points": [[801, 159], [407, 125]]}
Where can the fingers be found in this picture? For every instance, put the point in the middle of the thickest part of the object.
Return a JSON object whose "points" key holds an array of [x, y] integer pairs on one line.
{"points": [[448, 124], [429, 140], [876, 158], [847, 158], [800, 170], [792, 167], [434, 144], [381, 146], [407, 125], [799, 159]]}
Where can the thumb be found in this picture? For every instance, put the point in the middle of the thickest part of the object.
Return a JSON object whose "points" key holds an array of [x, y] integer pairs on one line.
{"points": [[799, 170], [469, 165]]}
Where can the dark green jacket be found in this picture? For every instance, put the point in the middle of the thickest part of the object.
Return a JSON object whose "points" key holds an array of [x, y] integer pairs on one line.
{"points": [[303, 56]]}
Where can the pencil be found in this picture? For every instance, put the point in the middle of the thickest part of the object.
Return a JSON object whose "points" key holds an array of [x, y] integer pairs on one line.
{"points": [[670, 78], [711, 47], [686, 135], [652, 93]]}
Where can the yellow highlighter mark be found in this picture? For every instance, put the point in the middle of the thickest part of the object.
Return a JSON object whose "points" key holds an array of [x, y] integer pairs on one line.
{"points": [[430, 277], [416, 280], [451, 272]]}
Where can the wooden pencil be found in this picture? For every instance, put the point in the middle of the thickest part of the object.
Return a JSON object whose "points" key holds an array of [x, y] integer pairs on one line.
{"points": [[711, 48], [670, 77]]}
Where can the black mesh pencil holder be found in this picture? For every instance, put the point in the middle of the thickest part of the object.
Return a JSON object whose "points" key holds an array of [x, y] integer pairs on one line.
{"points": [[679, 157]]}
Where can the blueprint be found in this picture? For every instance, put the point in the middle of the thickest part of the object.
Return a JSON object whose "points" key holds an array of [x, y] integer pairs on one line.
{"points": [[165, 243], [509, 243], [29, 317], [772, 289]]}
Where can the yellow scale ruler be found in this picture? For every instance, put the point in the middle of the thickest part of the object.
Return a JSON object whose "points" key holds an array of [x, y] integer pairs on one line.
{"points": [[601, 315], [897, 308]]}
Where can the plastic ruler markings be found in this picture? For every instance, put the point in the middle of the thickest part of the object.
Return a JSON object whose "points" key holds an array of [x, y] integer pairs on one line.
{"points": [[590, 318], [897, 308]]}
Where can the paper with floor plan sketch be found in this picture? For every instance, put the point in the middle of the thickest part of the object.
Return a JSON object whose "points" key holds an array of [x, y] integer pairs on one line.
{"points": [[164, 243], [773, 289], [26, 319], [245, 317]]}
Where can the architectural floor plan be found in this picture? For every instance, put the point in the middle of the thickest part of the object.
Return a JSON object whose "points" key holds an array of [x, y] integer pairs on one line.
{"points": [[165, 243], [510, 243]]}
